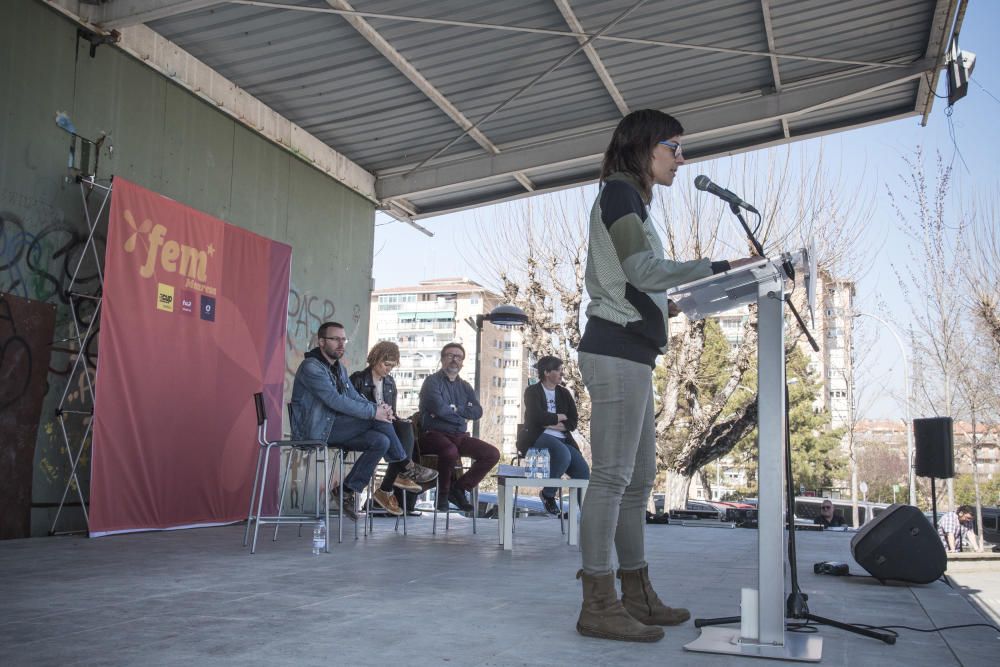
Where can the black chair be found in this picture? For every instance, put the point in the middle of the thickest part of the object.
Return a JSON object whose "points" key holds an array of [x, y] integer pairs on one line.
{"points": [[308, 447], [431, 461]]}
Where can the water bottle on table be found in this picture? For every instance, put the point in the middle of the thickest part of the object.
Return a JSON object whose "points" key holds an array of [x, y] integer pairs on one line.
{"points": [[319, 538], [530, 457], [544, 467]]}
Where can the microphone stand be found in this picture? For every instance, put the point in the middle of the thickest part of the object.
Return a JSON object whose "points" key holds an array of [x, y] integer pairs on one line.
{"points": [[789, 271], [796, 606]]}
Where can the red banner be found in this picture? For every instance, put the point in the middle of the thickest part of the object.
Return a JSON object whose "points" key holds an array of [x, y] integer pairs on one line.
{"points": [[193, 324]]}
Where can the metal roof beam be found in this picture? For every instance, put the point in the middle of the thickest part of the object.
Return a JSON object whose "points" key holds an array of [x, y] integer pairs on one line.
{"points": [[946, 13], [414, 76], [793, 101], [765, 10], [593, 57], [118, 14], [383, 46]]}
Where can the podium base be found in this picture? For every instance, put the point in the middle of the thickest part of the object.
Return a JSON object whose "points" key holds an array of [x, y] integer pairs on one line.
{"points": [[798, 647]]}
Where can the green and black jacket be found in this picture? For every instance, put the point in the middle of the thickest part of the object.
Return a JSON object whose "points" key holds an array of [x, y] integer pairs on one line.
{"points": [[627, 276]]}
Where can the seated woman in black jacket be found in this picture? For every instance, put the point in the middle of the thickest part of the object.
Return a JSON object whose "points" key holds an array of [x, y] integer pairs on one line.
{"points": [[375, 383], [549, 422]]}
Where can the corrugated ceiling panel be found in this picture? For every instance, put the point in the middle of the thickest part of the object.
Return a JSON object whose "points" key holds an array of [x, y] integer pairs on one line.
{"points": [[848, 29], [319, 72]]}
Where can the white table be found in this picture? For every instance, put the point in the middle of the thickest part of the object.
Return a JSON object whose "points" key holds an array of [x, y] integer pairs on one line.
{"points": [[506, 486]]}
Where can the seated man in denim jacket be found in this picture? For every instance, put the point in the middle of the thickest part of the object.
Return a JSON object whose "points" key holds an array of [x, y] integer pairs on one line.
{"points": [[326, 406]]}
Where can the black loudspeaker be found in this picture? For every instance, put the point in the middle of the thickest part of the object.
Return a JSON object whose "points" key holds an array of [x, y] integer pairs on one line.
{"points": [[934, 445], [900, 544]]}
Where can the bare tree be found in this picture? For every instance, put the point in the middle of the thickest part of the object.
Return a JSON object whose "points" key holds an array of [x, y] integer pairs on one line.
{"points": [[534, 252], [982, 273], [803, 204], [932, 284], [860, 396]]}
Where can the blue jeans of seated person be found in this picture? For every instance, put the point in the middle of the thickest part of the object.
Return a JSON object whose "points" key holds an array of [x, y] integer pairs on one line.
{"points": [[563, 460], [374, 439]]}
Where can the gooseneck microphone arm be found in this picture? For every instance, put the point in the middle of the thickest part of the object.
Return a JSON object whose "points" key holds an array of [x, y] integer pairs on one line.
{"points": [[758, 248], [703, 183]]}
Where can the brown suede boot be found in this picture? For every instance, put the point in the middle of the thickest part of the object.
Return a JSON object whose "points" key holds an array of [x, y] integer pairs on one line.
{"points": [[603, 615], [642, 603]]}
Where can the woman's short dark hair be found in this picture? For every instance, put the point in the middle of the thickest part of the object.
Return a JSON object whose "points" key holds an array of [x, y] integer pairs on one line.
{"points": [[632, 144], [546, 364]]}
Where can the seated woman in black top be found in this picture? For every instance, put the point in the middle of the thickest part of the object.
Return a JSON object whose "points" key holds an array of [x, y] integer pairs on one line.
{"points": [[375, 383], [549, 422]]}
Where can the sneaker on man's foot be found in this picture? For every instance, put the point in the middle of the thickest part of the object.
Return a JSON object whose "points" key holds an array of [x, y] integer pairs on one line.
{"points": [[405, 482], [348, 508], [421, 474], [388, 502], [459, 499], [551, 506]]}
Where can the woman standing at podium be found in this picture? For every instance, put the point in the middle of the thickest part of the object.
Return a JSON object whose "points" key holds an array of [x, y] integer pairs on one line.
{"points": [[626, 278]]}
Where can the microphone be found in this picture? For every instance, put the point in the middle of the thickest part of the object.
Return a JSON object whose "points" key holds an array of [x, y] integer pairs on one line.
{"points": [[705, 183]]}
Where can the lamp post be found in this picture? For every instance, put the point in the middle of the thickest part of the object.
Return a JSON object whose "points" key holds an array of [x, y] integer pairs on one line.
{"points": [[906, 404], [505, 315]]}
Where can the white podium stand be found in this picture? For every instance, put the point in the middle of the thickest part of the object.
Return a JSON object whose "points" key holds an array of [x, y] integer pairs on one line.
{"points": [[762, 633]]}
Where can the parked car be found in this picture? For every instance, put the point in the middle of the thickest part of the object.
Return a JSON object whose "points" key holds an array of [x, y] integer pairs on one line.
{"points": [[527, 505]]}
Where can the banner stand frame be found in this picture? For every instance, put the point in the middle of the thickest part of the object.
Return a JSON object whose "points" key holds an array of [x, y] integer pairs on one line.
{"points": [[83, 339]]}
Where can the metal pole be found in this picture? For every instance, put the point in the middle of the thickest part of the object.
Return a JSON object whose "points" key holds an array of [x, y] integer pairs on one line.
{"points": [[771, 462], [912, 481], [479, 363]]}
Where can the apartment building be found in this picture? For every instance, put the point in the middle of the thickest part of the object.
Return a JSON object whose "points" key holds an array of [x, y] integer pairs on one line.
{"points": [[422, 318]]}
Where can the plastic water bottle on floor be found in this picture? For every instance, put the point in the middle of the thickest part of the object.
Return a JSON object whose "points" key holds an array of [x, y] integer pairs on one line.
{"points": [[319, 538], [544, 460]]}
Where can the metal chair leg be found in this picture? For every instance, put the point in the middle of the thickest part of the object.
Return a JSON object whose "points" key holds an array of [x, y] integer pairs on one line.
{"points": [[326, 494], [396, 527], [253, 495], [260, 500], [369, 515], [305, 486], [281, 496], [437, 499], [475, 506], [340, 500]]}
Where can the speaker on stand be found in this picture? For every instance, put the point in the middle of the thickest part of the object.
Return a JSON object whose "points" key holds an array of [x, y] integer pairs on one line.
{"points": [[934, 443]]}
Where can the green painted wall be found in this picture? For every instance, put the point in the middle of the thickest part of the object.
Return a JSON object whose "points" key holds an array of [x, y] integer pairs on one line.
{"points": [[169, 141]]}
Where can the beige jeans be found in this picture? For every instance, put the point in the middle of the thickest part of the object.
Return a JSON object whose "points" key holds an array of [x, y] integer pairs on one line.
{"points": [[623, 444]]}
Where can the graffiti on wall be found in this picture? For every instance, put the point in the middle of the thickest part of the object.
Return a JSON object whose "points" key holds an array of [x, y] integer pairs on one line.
{"points": [[25, 333], [39, 252], [306, 311]]}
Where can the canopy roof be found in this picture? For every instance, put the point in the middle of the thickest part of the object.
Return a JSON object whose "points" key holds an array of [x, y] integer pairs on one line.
{"points": [[435, 106]]}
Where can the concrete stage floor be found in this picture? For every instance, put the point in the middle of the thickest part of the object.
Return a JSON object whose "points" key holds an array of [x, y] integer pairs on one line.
{"points": [[196, 597]]}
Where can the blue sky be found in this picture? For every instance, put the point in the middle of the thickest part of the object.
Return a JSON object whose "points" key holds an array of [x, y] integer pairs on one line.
{"points": [[405, 256]]}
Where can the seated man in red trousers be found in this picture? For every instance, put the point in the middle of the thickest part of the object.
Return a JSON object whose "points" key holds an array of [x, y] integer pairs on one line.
{"points": [[447, 402]]}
